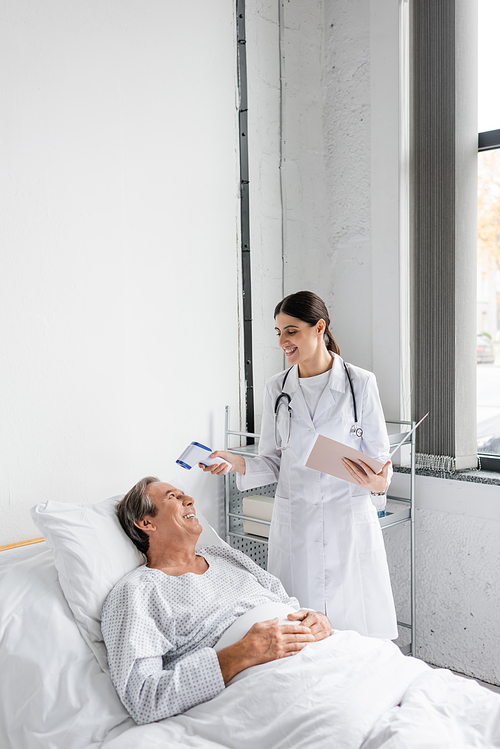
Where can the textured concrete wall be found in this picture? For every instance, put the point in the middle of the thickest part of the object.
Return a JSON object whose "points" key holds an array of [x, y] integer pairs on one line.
{"points": [[265, 198], [457, 573], [342, 175], [347, 284], [306, 198], [340, 136], [389, 246], [327, 173]]}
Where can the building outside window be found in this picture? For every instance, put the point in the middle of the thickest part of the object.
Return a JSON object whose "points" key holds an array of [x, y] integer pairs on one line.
{"points": [[488, 266]]}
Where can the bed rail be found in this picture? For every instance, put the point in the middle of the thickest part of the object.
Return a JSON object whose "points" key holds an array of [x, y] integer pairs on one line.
{"points": [[22, 543]]}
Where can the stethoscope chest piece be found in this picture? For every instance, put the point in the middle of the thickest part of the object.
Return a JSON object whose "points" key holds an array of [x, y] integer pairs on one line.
{"points": [[356, 431]]}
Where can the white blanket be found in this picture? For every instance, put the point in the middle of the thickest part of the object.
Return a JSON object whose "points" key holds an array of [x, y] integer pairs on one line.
{"points": [[342, 692], [329, 695], [440, 710]]}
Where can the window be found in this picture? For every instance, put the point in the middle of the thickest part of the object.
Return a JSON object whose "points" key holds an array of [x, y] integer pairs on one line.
{"points": [[488, 267]]}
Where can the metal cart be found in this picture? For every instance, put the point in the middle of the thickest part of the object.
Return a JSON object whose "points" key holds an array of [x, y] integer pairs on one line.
{"points": [[256, 546]]}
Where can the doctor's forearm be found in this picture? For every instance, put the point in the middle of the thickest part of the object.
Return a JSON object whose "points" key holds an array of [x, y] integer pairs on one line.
{"points": [[260, 470]]}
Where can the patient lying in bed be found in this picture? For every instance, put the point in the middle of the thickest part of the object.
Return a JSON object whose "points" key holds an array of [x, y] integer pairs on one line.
{"points": [[181, 627], [345, 691]]}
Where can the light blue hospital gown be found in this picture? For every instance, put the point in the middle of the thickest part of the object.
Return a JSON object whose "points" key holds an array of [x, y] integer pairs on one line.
{"points": [[160, 630]]}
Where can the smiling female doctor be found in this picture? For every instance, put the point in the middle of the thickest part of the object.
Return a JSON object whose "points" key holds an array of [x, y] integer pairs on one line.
{"points": [[325, 541]]}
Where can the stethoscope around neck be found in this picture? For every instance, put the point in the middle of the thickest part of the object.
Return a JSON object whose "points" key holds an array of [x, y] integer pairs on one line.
{"points": [[284, 399]]}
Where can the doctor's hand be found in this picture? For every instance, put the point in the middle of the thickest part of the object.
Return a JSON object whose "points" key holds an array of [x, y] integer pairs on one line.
{"points": [[363, 475], [317, 622], [237, 463]]}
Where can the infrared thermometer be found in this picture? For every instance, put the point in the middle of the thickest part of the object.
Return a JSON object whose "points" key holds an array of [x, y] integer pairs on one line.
{"points": [[197, 453]]}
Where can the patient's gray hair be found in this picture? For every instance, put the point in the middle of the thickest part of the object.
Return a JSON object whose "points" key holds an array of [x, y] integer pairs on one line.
{"points": [[134, 506]]}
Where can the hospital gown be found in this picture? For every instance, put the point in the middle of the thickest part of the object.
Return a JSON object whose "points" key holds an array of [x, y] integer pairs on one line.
{"points": [[160, 630]]}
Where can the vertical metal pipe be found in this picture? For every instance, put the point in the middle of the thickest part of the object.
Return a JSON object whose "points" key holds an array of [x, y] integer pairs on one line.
{"points": [[404, 210], [226, 478], [412, 544], [245, 214], [281, 22]]}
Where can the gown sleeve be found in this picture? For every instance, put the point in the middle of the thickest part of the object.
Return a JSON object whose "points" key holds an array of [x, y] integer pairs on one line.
{"points": [[375, 441], [138, 659], [263, 469]]}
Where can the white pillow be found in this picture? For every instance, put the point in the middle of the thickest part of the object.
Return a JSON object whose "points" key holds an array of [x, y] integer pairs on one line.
{"points": [[92, 552]]}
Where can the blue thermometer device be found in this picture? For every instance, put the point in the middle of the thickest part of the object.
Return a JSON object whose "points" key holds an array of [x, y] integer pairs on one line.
{"points": [[197, 453]]}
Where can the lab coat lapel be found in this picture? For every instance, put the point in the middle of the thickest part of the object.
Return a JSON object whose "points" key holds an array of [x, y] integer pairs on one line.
{"points": [[336, 385], [297, 401]]}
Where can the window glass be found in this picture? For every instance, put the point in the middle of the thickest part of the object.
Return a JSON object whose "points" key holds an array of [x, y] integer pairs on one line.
{"points": [[489, 65], [488, 303]]}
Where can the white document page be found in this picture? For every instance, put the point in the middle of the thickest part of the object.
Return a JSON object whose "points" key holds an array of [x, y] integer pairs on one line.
{"points": [[326, 456]]}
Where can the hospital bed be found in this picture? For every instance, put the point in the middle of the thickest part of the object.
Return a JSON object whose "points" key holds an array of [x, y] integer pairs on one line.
{"points": [[55, 692]]}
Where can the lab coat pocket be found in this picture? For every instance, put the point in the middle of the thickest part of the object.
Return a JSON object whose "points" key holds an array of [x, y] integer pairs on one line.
{"points": [[368, 532], [279, 535]]}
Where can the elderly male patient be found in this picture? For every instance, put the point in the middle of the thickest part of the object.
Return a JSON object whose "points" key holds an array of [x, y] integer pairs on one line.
{"points": [[162, 621]]}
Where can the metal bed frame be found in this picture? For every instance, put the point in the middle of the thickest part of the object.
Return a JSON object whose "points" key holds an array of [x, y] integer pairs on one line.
{"points": [[256, 546]]}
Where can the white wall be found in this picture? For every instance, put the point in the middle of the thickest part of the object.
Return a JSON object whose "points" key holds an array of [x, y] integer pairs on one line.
{"points": [[119, 246]]}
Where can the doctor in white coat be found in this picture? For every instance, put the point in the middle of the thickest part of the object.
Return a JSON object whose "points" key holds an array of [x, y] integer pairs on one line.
{"points": [[325, 541]]}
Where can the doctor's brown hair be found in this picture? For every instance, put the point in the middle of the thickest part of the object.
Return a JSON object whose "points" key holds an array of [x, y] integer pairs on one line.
{"points": [[310, 308]]}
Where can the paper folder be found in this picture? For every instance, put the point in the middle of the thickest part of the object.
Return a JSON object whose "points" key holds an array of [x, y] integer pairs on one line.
{"points": [[326, 456]]}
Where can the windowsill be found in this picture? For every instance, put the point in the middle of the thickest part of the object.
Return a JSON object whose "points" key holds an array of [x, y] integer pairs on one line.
{"points": [[472, 475]]}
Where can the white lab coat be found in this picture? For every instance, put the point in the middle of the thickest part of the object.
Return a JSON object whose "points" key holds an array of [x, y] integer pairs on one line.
{"points": [[325, 541]]}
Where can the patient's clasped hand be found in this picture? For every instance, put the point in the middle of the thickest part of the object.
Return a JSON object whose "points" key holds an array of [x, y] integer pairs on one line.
{"points": [[163, 621]]}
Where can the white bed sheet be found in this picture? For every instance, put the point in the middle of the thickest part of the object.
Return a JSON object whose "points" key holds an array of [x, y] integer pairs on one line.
{"points": [[345, 692], [53, 693]]}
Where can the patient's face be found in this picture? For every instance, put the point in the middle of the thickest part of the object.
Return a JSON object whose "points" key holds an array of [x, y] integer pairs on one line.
{"points": [[176, 512]]}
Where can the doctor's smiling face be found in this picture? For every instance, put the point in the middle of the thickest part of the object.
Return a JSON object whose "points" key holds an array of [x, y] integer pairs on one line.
{"points": [[303, 327], [302, 343]]}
